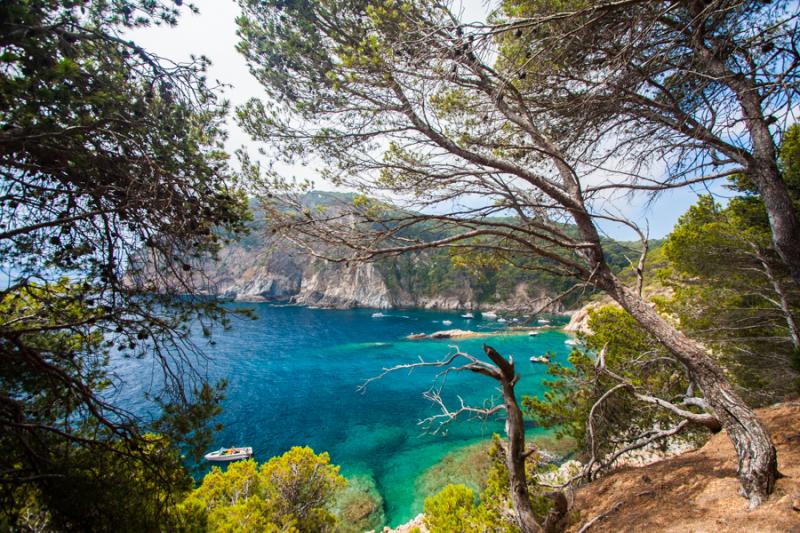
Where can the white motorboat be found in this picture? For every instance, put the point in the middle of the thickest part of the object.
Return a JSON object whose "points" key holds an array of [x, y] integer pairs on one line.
{"points": [[502, 320], [571, 342], [540, 359], [543, 321], [532, 333], [447, 322], [377, 315], [230, 454], [467, 315], [489, 314]]}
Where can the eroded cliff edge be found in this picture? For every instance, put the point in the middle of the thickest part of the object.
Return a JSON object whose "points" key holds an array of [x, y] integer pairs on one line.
{"points": [[274, 271]]}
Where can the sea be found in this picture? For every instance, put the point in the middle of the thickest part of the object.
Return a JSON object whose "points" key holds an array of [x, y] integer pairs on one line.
{"points": [[295, 376]]}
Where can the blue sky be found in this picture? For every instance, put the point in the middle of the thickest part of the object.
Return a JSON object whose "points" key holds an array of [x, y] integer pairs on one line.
{"points": [[213, 34]]}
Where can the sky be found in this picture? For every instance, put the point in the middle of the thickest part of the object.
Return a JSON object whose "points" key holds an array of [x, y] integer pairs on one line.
{"points": [[213, 33]]}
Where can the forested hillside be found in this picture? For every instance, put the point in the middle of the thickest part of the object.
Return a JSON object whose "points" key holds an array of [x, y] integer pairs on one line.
{"points": [[516, 134], [263, 267]]}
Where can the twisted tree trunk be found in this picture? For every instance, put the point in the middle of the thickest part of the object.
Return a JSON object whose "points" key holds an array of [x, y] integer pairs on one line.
{"points": [[758, 463], [515, 456], [515, 459]]}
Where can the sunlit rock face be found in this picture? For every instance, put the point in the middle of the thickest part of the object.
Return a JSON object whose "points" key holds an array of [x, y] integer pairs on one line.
{"points": [[260, 267], [270, 271], [334, 285]]}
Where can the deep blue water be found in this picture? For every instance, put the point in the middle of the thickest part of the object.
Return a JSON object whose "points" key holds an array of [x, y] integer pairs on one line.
{"points": [[293, 376]]}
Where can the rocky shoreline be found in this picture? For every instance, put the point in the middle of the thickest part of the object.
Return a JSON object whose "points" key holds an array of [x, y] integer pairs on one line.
{"points": [[559, 452], [270, 271], [468, 334]]}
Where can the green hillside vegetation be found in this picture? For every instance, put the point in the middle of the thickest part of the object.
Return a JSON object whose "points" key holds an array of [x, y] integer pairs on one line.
{"points": [[493, 278], [115, 183]]}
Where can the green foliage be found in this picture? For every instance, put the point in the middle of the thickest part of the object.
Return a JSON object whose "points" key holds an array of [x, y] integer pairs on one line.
{"points": [[86, 476], [789, 159], [630, 353], [293, 492], [458, 508], [113, 186], [729, 289], [452, 509], [488, 277], [114, 486]]}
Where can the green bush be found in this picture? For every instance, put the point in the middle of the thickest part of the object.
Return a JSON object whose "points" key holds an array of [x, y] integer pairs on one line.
{"points": [[292, 492]]}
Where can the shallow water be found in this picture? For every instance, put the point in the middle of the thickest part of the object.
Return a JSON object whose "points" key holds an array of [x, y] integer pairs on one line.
{"points": [[293, 376]]}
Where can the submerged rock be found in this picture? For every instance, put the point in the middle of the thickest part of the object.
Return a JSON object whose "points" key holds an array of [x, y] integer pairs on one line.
{"points": [[359, 506]]}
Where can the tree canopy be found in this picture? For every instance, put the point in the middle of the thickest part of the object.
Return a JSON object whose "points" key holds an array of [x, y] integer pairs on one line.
{"points": [[403, 99], [110, 160], [691, 91], [292, 492]]}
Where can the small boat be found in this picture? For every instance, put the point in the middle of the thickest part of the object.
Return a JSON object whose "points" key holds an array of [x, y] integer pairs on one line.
{"points": [[515, 320], [502, 320], [489, 314], [543, 321], [378, 315], [467, 315], [447, 322], [532, 333], [230, 454], [571, 342], [540, 359]]}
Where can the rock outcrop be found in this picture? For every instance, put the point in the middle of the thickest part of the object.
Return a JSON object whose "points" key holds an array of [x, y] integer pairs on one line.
{"points": [[260, 267], [332, 285], [579, 321], [271, 271], [417, 524]]}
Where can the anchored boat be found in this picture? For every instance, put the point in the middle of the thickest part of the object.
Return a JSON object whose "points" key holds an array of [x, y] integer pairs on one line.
{"points": [[230, 454]]}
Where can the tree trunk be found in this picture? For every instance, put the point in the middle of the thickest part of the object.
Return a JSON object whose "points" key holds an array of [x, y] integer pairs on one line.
{"points": [[762, 164], [783, 220], [783, 300], [515, 456], [758, 463], [558, 518], [763, 170], [515, 459]]}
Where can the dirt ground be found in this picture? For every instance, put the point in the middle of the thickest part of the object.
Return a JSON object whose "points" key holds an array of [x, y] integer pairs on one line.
{"points": [[697, 491]]}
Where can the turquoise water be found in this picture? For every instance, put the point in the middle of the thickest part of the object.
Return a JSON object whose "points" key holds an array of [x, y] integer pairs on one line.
{"points": [[293, 376]]}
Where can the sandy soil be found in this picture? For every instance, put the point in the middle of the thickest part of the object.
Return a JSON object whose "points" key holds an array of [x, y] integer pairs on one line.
{"points": [[697, 492]]}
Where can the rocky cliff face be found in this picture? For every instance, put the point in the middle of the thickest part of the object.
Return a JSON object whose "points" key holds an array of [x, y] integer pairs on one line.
{"points": [[333, 285], [259, 269], [247, 274], [270, 271]]}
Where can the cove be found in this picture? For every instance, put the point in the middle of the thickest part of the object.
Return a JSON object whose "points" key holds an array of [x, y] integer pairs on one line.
{"points": [[293, 376]]}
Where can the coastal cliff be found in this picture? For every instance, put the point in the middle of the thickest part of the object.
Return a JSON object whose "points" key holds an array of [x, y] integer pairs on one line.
{"points": [[275, 271], [259, 267]]}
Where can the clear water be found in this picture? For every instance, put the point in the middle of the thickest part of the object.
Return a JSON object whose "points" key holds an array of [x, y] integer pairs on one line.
{"points": [[293, 376]]}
